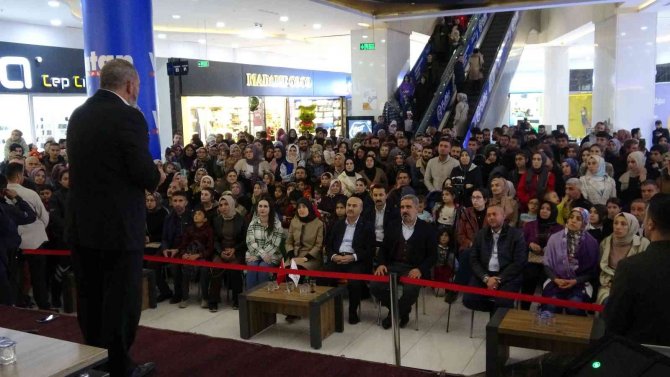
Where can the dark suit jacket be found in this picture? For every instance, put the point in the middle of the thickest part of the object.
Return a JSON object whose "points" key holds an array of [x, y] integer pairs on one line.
{"points": [[512, 253], [364, 239], [638, 306], [110, 167], [422, 246], [391, 215]]}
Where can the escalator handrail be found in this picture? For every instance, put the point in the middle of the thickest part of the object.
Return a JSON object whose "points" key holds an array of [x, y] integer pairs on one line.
{"points": [[493, 74], [443, 95]]}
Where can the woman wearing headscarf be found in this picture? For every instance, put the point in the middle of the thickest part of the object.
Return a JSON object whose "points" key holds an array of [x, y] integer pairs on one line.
{"points": [[630, 182], [623, 243], [537, 233], [230, 247], [359, 158], [396, 163], [252, 166], [39, 177], [465, 178], [290, 163], [571, 262], [501, 196], [569, 169], [372, 173], [232, 159], [259, 190], [188, 157], [304, 243], [348, 177], [536, 181], [461, 112], [333, 195], [597, 186]]}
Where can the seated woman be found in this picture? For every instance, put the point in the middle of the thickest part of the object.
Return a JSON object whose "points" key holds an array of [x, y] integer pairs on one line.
{"points": [[373, 174], [348, 177], [333, 195], [537, 233], [230, 246], [597, 186], [264, 240], [623, 243], [600, 226], [304, 243], [570, 262], [465, 177], [536, 181], [500, 196]]}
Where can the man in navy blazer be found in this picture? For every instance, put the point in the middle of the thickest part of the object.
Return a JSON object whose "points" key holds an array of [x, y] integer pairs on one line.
{"points": [[350, 246], [409, 249], [106, 215]]}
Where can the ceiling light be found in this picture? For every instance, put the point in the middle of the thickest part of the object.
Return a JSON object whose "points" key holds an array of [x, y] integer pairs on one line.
{"points": [[316, 26], [623, 34], [202, 41], [365, 37], [54, 3], [283, 18], [383, 41], [220, 24], [56, 22], [363, 24], [176, 16], [161, 36], [643, 28]]}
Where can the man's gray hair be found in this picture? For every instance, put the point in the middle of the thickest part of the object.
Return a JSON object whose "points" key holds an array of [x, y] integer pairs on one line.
{"points": [[574, 182], [411, 197], [115, 73]]}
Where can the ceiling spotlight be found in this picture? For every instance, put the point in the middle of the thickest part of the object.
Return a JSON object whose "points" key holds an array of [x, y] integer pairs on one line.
{"points": [[363, 24], [383, 41], [202, 41], [643, 28], [176, 16], [56, 22], [316, 26], [365, 37], [54, 3], [283, 18], [161, 36], [220, 24]]}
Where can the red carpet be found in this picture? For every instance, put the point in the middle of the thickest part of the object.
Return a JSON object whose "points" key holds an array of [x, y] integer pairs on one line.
{"points": [[186, 354]]}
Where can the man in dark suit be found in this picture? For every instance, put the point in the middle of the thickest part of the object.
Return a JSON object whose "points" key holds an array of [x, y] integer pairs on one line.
{"points": [[106, 213], [350, 246], [638, 306], [497, 259], [409, 249]]}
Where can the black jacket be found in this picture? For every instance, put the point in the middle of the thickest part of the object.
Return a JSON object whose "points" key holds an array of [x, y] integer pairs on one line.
{"points": [[363, 243], [638, 306], [110, 168], [422, 246], [240, 230], [512, 253]]}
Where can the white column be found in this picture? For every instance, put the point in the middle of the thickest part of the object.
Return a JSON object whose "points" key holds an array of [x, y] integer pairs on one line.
{"points": [[556, 86], [625, 71], [375, 74]]}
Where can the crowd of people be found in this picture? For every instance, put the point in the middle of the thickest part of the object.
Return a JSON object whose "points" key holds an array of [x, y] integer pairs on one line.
{"points": [[515, 209]]}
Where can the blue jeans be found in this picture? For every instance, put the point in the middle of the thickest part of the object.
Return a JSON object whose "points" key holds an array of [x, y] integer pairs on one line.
{"points": [[255, 277]]}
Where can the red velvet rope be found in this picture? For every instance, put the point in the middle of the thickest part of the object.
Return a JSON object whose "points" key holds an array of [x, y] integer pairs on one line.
{"points": [[365, 277]]}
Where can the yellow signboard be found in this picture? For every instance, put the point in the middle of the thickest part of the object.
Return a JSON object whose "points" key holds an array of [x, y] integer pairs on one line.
{"points": [[580, 114]]}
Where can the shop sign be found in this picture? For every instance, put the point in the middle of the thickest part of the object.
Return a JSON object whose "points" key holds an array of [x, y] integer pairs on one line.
{"points": [[40, 69], [278, 81]]}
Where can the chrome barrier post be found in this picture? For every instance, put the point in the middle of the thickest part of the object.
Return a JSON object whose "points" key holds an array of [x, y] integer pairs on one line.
{"points": [[395, 314]]}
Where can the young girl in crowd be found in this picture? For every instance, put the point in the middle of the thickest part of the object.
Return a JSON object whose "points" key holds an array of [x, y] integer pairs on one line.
{"points": [[531, 215], [423, 214], [445, 213]]}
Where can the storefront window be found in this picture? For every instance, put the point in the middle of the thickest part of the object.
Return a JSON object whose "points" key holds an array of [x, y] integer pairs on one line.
{"points": [[526, 105], [15, 116], [215, 115], [51, 115], [328, 112]]}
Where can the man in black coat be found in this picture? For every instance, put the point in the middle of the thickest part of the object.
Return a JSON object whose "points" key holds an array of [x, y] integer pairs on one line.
{"points": [[409, 249], [350, 247], [498, 257], [638, 306], [106, 217]]}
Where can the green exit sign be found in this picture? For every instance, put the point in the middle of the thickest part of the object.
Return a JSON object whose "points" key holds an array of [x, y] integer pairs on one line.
{"points": [[203, 63], [367, 46]]}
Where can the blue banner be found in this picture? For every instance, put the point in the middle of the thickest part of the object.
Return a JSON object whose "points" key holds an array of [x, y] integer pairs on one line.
{"points": [[122, 29]]}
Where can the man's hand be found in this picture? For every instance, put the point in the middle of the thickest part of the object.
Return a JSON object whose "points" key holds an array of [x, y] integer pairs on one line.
{"points": [[169, 253], [381, 270], [346, 259], [493, 282], [337, 258], [11, 194], [414, 273], [163, 176]]}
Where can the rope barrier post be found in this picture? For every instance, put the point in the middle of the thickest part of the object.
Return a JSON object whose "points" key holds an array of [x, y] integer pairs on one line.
{"points": [[395, 314]]}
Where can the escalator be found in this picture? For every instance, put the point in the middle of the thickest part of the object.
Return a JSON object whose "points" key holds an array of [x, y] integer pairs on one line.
{"points": [[493, 33]]}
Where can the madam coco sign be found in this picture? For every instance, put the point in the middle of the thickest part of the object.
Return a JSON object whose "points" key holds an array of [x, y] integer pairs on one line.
{"points": [[278, 81]]}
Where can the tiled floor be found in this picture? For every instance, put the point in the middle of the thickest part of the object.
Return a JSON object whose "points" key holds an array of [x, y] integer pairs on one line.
{"points": [[431, 347]]}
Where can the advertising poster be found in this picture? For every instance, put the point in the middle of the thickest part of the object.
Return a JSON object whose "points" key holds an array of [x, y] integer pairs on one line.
{"points": [[580, 114]]}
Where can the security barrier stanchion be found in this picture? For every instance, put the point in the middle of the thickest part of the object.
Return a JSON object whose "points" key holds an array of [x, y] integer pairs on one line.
{"points": [[395, 315]]}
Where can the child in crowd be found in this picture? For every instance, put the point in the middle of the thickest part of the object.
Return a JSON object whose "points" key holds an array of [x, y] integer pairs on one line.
{"points": [[613, 208], [445, 266], [600, 226], [531, 215], [445, 213], [423, 214]]}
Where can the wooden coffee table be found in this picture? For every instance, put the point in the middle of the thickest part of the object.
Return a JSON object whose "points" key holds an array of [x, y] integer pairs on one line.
{"points": [[259, 308], [511, 327]]}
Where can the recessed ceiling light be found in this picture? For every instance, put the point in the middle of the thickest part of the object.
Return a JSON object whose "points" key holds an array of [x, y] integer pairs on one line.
{"points": [[220, 24], [56, 22], [623, 34], [643, 28], [363, 24], [202, 41], [54, 3], [316, 26], [383, 41], [365, 37], [283, 18], [161, 36], [176, 16]]}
